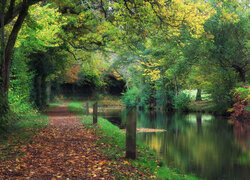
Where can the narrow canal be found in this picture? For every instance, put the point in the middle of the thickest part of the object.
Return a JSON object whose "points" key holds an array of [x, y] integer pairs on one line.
{"points": [[201, 144]]}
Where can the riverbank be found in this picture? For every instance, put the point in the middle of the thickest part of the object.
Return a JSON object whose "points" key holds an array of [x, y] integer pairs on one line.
{"points": [[113, 140], [201, 106], [37, 149]]}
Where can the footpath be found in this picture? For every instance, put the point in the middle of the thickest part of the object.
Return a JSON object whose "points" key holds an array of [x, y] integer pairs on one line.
{"points": [[63, 150]]}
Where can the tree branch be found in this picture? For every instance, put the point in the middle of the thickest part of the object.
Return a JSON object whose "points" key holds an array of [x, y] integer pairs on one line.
{"points": [[14, 11], [129, 10], [11, 42]]}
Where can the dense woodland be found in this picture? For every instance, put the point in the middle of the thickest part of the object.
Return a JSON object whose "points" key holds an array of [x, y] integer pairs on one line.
{"points": [[151, 51]]}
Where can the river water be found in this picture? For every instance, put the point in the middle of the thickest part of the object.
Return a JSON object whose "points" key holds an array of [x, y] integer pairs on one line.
{"points": [[195, 143]]}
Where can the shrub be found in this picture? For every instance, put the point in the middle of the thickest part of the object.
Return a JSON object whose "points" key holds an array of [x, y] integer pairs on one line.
{"points": [[131, 97], [181, 101], [241, 99], [20, 87], [137, 97], [164, 98]]}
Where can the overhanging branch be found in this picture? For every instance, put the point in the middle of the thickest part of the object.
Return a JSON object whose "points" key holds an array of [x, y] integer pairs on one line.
{"points": [[14, 11]]}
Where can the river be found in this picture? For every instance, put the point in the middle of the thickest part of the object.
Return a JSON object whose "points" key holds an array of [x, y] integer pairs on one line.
{"points": [[196, 143]]}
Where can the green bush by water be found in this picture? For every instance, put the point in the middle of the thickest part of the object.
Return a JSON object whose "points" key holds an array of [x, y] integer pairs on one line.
{"points": [[131, 97], [181, 101]]}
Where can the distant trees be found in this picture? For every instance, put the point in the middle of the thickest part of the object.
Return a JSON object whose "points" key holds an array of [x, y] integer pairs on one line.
{"points": [[159, 47], [214, 59]]}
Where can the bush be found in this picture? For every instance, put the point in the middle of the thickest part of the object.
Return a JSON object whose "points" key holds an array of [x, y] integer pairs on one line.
{"points": [[220, 89], [131, 97], [164, 98], [137, 97], [241, 99], [20, 87], [181, 101]]}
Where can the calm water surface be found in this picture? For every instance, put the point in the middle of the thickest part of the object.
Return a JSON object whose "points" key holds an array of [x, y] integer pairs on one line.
{"points": [[202, 144]]}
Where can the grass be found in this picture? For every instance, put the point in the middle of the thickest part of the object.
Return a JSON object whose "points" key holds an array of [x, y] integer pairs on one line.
{"points": [[206, 105], [146, 161], [54, 104], [192, 94], [201, 106]]}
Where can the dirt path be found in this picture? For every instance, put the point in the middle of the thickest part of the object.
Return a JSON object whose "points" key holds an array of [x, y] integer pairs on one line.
{"points": [[63, 150]]}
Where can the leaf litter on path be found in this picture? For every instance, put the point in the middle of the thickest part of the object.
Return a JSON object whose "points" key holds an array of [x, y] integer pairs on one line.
{"points": [[65, 149]]}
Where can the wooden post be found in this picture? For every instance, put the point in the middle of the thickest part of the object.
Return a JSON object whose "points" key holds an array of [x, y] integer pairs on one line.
{"points": [[95, 113], [87, 108], [131, 134]]}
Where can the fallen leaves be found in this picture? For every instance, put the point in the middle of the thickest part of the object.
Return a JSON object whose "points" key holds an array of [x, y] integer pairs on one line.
{"points": [[64, 150], [67, 150]]}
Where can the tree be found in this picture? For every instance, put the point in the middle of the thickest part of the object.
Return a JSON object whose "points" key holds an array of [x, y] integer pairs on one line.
{"points": [[229, 45], [18, 10]]}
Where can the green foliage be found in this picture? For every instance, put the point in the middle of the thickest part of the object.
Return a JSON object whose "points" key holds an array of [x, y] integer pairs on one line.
{"points": [[243, 92], [131, 97], [55, 104], [220, 89], [20, 86], [164, 98], [136, 97], [6, 121], [181, 101], [90, 78], [19, 96]]}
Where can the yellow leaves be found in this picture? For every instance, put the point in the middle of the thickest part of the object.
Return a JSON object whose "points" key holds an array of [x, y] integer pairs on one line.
{"points": [[230, 122], [48, 22], [184, 12], [151, 69], [126, 162], [230, 110], [228, 17], [102, 163]]}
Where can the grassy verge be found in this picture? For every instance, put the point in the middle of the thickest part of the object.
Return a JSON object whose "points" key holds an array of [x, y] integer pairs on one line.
{"points": [[146, 165], [20, 133], [55, 104]]}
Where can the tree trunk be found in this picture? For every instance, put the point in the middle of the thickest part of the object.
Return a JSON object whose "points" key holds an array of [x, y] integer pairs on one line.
{"points": [[95, 106], [198, 95], [3, 95], [43, 91], [242, 73], [7, 52]]}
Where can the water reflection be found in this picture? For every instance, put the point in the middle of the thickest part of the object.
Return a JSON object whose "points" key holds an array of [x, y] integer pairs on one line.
{"points": [[116, 116], [196, 143]]}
